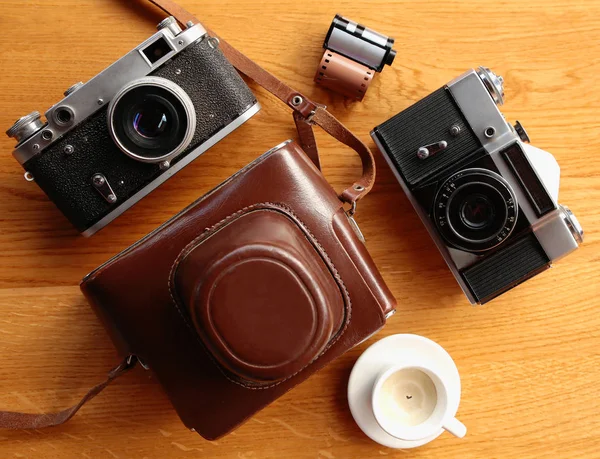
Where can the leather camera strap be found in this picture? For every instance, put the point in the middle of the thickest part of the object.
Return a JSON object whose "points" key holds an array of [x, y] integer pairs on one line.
{"points": [[13, 420], [306, 112]]}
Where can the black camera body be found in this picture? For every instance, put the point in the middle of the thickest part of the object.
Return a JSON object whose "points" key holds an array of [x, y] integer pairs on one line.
{"points": [[486, 196], [113, 140]]}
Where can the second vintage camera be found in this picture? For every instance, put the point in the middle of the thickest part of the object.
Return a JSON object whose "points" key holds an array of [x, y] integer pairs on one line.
{"points": [[113, 140], [486, 197]]}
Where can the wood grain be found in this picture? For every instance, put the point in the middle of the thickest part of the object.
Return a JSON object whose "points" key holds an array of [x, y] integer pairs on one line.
{"points": [[529, 361]]}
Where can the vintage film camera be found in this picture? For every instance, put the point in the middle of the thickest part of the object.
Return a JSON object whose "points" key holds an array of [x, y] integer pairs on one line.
{"points": [[113, 140], [487, 198], [353, 53]]}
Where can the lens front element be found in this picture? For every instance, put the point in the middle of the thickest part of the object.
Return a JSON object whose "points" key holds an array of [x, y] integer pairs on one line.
{"points": [[150, 122], [152, 119], [475, 210]]}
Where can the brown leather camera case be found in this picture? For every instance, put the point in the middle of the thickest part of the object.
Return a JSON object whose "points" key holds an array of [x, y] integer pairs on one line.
{"points": [[245, 293]]}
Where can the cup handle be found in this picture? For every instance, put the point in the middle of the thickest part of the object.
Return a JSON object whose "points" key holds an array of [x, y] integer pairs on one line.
{"points": [[456, 428]]}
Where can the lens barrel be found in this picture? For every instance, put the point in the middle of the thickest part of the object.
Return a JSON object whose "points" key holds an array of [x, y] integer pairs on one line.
{"points": [[151, 119], [475, 210]]}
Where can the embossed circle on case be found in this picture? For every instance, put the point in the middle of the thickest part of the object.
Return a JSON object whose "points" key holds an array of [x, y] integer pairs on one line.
{"points": [[260, 296]]}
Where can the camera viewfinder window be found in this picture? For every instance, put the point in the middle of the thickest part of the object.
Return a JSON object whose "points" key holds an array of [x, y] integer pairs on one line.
{"points": [[157, 50]]}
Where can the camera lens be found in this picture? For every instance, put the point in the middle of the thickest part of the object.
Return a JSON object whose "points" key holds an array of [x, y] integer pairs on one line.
{"points": [[475, 210], [152, 119], [149, 122]]}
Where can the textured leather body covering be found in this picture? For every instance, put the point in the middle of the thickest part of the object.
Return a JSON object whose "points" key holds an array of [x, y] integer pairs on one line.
{"points": [[403, 134], [245, 293], [219, 96]]}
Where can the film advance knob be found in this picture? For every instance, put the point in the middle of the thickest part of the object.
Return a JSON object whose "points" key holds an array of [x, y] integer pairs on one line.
{"points": [[25, 126]]}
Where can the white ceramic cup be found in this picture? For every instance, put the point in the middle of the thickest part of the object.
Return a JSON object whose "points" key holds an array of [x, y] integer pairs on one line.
{"points": [[410, 402]]}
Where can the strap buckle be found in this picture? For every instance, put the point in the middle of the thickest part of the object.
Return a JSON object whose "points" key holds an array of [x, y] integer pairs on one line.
{"points": [[356, 229], [133, 359], [309, 118], [350, 214]]}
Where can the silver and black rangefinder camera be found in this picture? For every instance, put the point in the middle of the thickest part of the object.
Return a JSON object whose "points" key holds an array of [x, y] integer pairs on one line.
{"points": [[487, 197], [114, 139]]}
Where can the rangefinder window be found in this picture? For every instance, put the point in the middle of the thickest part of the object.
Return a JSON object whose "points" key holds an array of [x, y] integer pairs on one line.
{"points": [[157, 50]]}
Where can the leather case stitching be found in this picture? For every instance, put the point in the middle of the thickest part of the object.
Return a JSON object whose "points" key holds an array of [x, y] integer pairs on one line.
{"points": [[313, 240]]}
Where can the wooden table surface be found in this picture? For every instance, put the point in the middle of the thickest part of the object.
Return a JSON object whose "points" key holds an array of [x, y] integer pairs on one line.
{"points": [[529, 361]]}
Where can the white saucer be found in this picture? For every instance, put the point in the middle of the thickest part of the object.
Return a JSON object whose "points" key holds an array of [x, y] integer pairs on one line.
{"points": [[390, 351]]}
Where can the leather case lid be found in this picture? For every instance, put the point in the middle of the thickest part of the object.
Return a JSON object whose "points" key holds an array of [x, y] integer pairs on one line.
{"points": [[259, 295]]}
